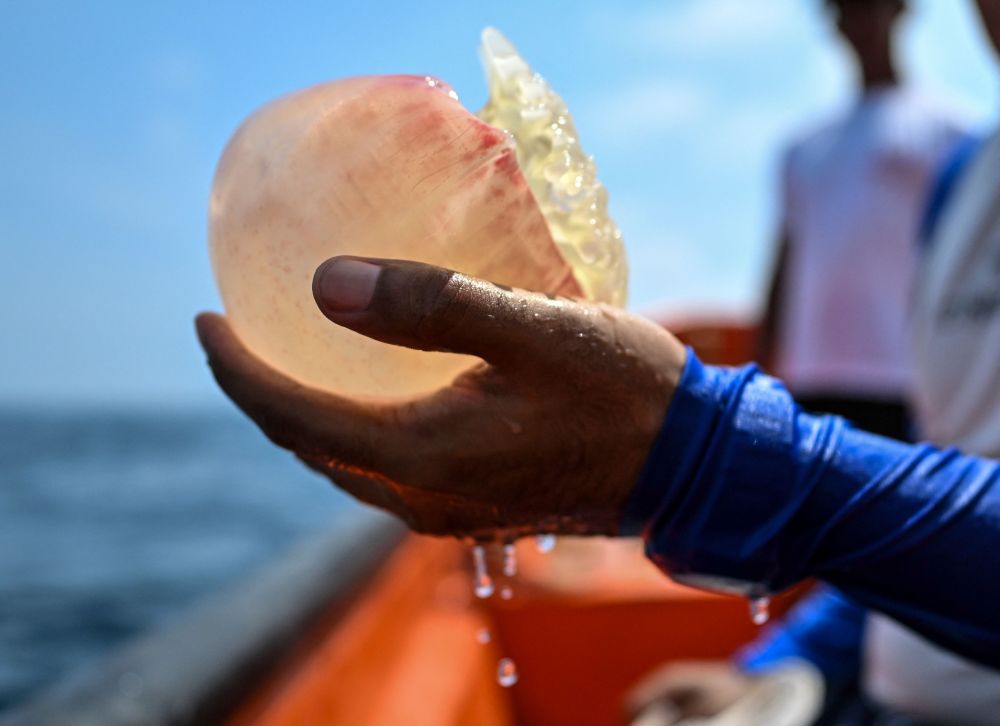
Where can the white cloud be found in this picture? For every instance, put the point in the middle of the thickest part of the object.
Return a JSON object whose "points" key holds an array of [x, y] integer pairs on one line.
{"points": [[634, 113]]}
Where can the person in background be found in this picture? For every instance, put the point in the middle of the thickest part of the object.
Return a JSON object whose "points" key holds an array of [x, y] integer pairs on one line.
{"points": [[820, 348], [853, 191]]}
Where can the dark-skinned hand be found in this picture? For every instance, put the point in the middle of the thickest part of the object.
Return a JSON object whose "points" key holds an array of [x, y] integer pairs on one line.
{"points": [[547, 434]]}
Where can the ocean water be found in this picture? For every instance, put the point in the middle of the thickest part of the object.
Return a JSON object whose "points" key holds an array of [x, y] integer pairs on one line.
{"points": [[113, 522]]}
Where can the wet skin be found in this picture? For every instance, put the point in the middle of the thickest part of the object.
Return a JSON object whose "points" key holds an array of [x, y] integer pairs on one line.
{"points": [[548, 434]]}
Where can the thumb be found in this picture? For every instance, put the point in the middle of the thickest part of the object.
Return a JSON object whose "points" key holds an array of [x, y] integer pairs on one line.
{"points": [[431, 308]]}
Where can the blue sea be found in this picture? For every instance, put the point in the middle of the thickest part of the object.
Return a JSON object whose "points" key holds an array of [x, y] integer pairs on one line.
{"points": [[112, 523]]}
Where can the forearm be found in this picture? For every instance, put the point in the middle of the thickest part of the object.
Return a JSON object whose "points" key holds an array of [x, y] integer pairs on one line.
{"points": [[743, 489]]}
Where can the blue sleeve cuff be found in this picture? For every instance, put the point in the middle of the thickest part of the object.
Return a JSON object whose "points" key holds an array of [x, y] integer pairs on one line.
{"points": [[666, 457], [718, 485]]}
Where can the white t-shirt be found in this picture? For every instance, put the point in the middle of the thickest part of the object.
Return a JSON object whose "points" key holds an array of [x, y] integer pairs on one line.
{"points": [[854, 192], [955, 335]]}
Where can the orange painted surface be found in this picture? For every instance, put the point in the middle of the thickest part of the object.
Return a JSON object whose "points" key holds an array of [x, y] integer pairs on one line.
{"points": [[731, 343], [585, 623], [404, 653], [593, 617]]}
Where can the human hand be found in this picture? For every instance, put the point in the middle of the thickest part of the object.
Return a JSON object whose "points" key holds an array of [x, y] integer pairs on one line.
{"points": [[547, 434], [686, 690]]}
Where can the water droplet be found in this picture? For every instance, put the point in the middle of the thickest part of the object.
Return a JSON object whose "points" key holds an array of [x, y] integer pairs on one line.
{"points": [[484, 636], [760, 610], [484, 587], [509, 560], [482, 583], [545, 543], [506, 672], [506, 593]]}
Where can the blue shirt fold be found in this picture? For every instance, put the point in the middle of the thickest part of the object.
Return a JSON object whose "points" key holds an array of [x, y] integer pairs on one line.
{"points": [[744, 492]]}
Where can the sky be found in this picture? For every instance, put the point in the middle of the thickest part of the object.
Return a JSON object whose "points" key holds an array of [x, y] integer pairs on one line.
{"points": [[113, 115]]}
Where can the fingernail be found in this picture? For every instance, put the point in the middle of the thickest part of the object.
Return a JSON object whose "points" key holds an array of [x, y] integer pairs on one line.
{"points": [[344, 285]]}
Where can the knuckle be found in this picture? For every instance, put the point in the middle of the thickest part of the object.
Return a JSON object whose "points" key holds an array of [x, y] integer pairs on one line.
{"points": [[443, 308]]}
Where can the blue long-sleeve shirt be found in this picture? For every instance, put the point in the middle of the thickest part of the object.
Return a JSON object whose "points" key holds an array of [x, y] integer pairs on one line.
{"points": [[744, 491]]}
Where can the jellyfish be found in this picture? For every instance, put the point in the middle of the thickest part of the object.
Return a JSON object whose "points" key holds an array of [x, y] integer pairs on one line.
{"points": [[395, 167]]}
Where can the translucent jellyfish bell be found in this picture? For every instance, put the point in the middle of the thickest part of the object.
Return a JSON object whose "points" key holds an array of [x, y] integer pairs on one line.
{"points": [[396, 167]]}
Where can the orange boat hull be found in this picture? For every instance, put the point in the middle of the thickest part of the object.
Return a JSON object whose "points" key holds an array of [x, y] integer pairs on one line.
{"points": [[407, 652]]}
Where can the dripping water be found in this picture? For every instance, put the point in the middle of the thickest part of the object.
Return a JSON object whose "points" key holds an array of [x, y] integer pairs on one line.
{"points": [[509, 560], [482, 583], [545, 542], [760, 609], [506, 673]]}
